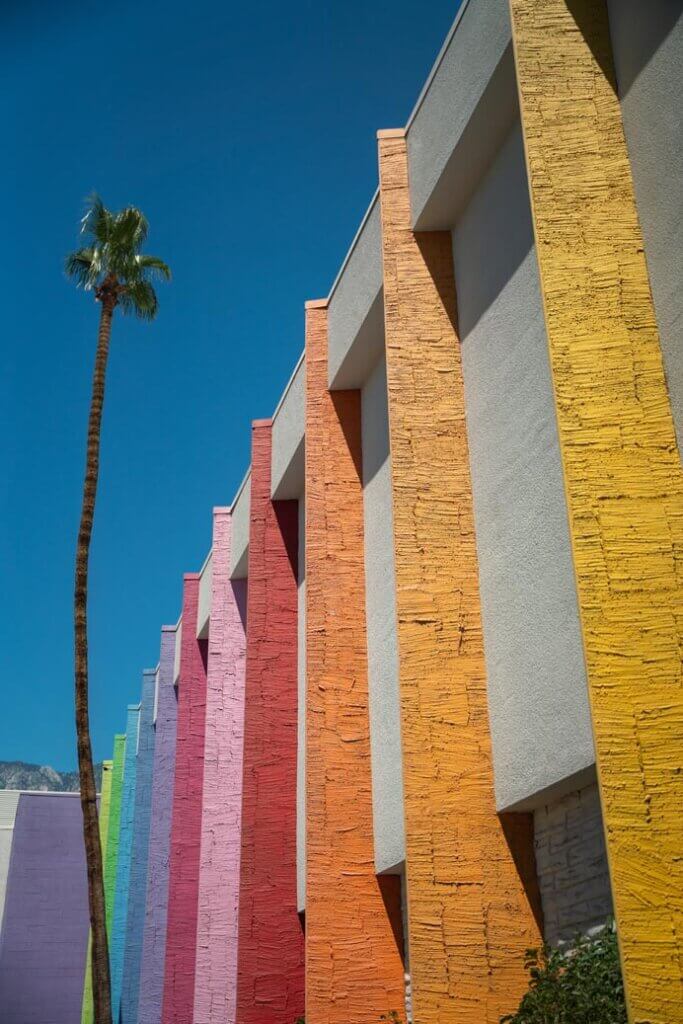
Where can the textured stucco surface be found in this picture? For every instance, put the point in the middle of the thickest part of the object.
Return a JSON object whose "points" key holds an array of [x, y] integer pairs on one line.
{"points": [[218, 897], [156, 904], [204, 602], [380, 605], [270, 977], [353, 966], [123, 862], [301, 714], [104, 805], [470, 918], [572, 865], [239, 544], [622, 470], [9, 800], [538, 696], [186, 826], [647, 39], [137, 886], [287, 466], [45, 930], [112, 852]]}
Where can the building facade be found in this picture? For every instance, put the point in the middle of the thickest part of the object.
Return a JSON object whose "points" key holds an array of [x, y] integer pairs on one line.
{"points": [[426, 704]]}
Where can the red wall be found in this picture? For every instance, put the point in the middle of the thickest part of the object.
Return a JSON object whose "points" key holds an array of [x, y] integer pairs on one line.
{"points": [[183, 884], [270, 979]]}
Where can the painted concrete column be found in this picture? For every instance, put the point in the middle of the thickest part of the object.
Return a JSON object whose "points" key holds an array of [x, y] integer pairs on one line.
{"points": [[137, 888], [120, 917], [112, 854], [216, 978], [45, 927], [354, 969], [9, 801], [622, 471], [103, 808], [470, 915], [183, 883], [270, 982], [154, 939]]}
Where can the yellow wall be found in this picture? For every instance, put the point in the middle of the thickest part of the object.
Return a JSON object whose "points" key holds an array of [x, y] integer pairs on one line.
{"points": [[622, 470]]}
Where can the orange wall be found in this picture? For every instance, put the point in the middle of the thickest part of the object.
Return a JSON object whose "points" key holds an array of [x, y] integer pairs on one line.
{"points": [[470, 917], [354, 970]]}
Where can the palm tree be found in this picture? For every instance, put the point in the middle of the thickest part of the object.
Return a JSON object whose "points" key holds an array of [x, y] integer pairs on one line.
{"points": [[113, 268]]}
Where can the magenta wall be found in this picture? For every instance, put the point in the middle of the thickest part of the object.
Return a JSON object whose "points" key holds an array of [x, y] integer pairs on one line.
{"points": [[45, 925], [216, 969], [183, 885]]}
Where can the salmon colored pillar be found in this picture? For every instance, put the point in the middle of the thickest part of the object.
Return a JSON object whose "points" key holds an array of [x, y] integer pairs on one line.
{"points": [[216, 977], [183, 882], [354, 968], [470, 877], [270, 981], [622, 472]]}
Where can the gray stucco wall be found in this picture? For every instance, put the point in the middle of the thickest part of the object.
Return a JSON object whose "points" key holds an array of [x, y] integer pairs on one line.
{"points": [[239, 541], [538, 698], [287, 460], [9, 799], [647, 40], [301, 718], [572, 865], [380, 598], [204, 598]]}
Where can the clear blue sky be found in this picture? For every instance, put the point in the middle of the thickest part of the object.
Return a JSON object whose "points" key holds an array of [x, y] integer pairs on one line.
{"points": [[246, 132]]}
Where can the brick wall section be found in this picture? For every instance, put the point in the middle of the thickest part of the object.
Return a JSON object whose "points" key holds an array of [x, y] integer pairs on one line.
{"points": [[156, 904], [216, 978], [186, 828], [270, 982], [126, 829], [45, 927], [137, 888], [470, 916], [624, 481], [572, 865], [354, 969]]}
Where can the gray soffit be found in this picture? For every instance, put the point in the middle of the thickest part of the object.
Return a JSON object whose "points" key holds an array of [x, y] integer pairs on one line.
{"points": [[239, 541], [466, 107], [204, 602], [287, 459], [355, 307]]}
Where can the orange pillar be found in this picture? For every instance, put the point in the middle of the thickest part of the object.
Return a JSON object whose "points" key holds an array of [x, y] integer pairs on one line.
{"points": [[354, 969], [472, 895]]}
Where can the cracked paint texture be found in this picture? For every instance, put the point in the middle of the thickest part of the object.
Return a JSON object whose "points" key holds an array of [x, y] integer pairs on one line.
{"points": [[470, 914], [123, 862], [88, 1008], [154, 937], [216, 972], [354, 969], [186, 828], [137, 886], [622, 470], [270, 981]]}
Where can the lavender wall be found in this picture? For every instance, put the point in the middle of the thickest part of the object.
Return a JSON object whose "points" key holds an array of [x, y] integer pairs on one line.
{"points": [[154, 940], [45, 927]]}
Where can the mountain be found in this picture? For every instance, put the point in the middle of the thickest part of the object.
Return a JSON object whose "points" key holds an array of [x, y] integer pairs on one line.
{"points": [[19, 775]]}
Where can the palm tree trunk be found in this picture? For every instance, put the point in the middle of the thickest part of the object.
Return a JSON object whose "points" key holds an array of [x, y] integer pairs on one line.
{"points": [[101, 985]]}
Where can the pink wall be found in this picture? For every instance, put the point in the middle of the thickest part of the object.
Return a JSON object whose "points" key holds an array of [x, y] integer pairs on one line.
{"points": [[183, 882], [216, 971]]}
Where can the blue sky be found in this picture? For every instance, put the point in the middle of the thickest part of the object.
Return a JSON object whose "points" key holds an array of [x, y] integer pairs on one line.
{"points": [[246, 132]]}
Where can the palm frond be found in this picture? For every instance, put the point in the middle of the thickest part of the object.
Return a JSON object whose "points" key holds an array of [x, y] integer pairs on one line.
{"points": [[129, 229], [153, 267], [84, 266], [139, 298], [97, 221]]}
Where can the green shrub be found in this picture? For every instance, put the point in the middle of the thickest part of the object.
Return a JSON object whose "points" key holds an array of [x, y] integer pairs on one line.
{"points": [[582, 985]]}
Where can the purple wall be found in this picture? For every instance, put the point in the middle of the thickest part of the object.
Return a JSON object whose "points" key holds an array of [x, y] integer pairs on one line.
{"points": [[45, 927], [154, 940]]}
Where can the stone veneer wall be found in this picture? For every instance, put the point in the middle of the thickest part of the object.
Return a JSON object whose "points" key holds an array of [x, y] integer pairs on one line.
{"points": [[572, 865]]}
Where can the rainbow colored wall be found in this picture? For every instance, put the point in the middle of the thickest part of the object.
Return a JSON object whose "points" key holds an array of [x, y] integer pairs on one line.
{"points": [[422, 706]]}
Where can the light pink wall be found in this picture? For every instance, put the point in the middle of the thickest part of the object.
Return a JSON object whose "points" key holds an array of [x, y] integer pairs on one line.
{"points": [[219, 872]]}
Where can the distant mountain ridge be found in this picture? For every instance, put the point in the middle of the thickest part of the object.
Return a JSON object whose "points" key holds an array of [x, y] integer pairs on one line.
{"points": [[41, 777]]}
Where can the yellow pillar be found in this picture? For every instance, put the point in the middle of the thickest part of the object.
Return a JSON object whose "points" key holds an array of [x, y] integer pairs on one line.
{"points": [[623, 474], [87, 1009], [472, 894]]}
